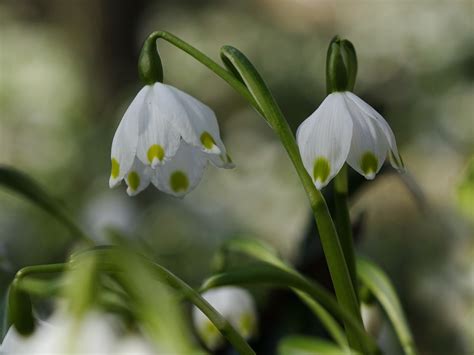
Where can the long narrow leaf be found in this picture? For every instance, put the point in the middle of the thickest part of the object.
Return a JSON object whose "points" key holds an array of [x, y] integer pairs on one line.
{"points": [[22, 184], [266, 253], [379, 284], [273, 276], [107, 255], [304, 345]]}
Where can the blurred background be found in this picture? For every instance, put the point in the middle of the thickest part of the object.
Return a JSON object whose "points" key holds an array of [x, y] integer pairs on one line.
{"points": [[68, 72]]}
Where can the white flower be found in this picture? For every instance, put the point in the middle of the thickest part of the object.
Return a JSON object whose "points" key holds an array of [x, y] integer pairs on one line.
{"points": [[345, 128], [372, 318], [62, 334], [165, 137], [234, 304]]}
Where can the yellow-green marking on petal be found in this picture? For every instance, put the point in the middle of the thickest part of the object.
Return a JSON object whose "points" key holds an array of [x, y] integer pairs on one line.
{"points": [[179, 181], [155, 151], [368, 164], [211, 335], [207, 140], [133, 180], [321, 169], [115, 168], [247, 324]]}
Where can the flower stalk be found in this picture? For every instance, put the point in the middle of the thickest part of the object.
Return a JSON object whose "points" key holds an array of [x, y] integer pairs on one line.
{"points": [[252, 87]]}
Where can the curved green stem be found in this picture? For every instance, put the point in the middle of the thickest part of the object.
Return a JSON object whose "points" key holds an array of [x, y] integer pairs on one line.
{"points": [[26, 283], [271, 275], [333, 251], [343, 222], [209, 63]]}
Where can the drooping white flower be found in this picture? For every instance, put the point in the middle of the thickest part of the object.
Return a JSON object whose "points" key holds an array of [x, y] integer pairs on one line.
{"points": [[165, 137], [372, 318], [62, 334], [233, 303], [344, 128]]}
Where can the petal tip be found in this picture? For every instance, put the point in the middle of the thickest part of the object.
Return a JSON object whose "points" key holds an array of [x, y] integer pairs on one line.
{"points": [[155, 162], [319, 184], [114, 182], [131, 192], [369, 175]]}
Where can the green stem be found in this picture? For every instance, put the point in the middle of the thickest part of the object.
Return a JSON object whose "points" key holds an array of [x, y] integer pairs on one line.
{"points": [[343, 222], [333, 251], [208, 62], [259, 96], [40, 269], [331, 325], [275, 276]]}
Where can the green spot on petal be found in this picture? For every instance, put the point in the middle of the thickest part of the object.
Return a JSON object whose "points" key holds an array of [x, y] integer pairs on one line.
{"points": [[211, 335], [247, 324], [368, 163], [179, 181], [115, 168], [321, 169], [155, 151], [207, 140], [133, 180]]}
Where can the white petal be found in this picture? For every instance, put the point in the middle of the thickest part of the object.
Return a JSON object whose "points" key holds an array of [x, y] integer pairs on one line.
{"points": [[182, 172], [369, 145], [138, 177], [236, 305], [324, 139], [124, 144], [198, 126], [158, 138], [222, 160], [395, 158]]}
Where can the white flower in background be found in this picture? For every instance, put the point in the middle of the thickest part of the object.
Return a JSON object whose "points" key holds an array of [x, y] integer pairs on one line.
{"points": [[372, 318], [345, 128], [234, 304], [61, 334], [165, 137], [15, 343]]}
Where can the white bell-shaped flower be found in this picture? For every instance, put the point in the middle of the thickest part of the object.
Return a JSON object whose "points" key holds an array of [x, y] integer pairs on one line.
{"points": [[165, 137], [345, 128], [234, 304], [372, 318], [95, 333]]}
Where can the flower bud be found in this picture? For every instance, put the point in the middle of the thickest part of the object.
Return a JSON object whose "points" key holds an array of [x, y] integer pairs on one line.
{"points": [[341, 66], [20, 311], [150, 69], [236, 306], [372, 318]]}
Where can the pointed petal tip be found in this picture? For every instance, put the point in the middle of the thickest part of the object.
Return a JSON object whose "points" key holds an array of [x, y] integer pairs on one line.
{"points": [[319, 184], [114, 182], [155, 162], [369, 176], [214, 149], [131, 192], [229, 165]]}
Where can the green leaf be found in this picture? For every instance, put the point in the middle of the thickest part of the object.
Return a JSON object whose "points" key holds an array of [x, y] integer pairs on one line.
{"points": [[22, 184], [266, 253], [270, 275], [304, 345], [107, 257], [379, 284]]}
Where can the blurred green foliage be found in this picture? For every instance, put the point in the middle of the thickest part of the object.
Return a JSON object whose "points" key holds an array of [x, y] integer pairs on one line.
{"points": [[68, 71]]}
